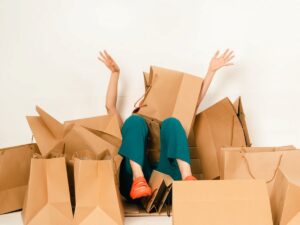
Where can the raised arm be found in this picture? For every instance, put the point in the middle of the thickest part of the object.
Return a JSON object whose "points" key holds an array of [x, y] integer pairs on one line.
{"points": [[216, 63], [112, 90]]}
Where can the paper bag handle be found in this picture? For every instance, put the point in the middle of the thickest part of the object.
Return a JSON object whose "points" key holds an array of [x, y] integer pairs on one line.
{"points": [[141, 100], [143, 97], [251, 174]]}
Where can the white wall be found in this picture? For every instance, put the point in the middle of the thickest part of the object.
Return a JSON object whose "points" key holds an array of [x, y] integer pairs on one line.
{"points": [[48, 55]]}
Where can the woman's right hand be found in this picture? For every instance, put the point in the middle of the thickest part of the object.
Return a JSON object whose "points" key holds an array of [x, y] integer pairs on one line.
{"points": [[109, 62]]}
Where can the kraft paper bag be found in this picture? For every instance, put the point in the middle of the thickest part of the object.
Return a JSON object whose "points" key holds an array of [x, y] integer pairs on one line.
{"points": [[295, 220], [285, 197], [170, 93], [47, 131], [221, 202], [253, 163], [105, 127], [161, 185], [88, 133], [14, 175], [216, 127], [98, 200], [47, 199]]}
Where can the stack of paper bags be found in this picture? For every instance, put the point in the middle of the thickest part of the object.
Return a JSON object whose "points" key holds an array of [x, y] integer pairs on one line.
{"points": [[98, 134]]}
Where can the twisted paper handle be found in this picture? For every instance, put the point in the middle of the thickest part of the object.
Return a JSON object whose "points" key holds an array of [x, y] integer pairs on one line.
{"points": [[251, 174]]}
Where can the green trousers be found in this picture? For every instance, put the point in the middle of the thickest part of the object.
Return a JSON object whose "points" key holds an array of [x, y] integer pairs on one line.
{"points": [[173, 145]]}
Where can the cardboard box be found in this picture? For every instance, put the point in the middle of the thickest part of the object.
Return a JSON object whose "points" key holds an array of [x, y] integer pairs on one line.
{"points": [[229, 202]]}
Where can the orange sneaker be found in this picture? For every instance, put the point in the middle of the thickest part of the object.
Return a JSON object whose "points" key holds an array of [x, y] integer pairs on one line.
{"points": [[190, 178], [140, 188]]}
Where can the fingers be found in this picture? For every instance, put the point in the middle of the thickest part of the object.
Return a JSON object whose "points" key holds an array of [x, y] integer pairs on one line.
{"points": [[228, 59], [109, 57], [228, 55], [225, 53], [216, 54], [228, 64]]}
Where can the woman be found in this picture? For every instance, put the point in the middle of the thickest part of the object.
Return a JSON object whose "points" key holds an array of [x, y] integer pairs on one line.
{"points": [[135, 170]]}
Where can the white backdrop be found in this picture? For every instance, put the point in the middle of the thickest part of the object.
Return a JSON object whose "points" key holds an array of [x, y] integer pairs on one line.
{"points": [[48, 53]]}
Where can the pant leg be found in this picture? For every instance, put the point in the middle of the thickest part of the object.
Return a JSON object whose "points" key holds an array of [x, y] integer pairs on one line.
{"points": [[173, 145], [133, 147]]}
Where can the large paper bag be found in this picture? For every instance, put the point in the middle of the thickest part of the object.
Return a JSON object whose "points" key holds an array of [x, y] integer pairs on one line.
{"points": [[234, 202], [295, 220], [170, 93], [47, 131], [14, 175], [253, 163], [88, 133], [98, 200], [285, 197], [216, 127], [161, 185], [47, 199]]}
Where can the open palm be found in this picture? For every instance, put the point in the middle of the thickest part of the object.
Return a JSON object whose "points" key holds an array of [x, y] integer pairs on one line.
{"points": [[109, 62], [218, 62]]}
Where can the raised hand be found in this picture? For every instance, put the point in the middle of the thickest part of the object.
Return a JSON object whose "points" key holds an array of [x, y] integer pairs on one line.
{"points": [[109, 62], [218, 62]]}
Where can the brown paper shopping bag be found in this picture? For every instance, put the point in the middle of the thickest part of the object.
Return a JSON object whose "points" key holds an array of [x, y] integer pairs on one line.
{"points": [[295, 220], [234, 202], [14, 175], [285, 197], [170, 93], [47, 131], [98, 200], [88, 133], [218, 126], [253, 163], [161, 185], [47, 199]]}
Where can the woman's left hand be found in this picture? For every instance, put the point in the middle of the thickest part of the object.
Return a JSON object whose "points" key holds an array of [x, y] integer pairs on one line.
{"points": [[218, 62]]}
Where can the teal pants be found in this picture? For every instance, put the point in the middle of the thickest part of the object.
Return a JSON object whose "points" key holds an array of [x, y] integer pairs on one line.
{"points": [[173, 145]]}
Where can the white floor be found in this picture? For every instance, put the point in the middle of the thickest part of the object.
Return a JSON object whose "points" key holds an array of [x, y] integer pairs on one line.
{"points": [[15, 219]]}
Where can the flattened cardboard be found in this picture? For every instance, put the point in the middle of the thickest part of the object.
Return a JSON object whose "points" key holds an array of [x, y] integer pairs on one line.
{"points": [[98, 200], [161, 185], [253, 163], [137, 210], [238, 202], [14, 175], [47, 199], [216, 127]]}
